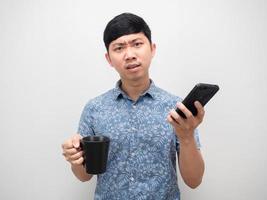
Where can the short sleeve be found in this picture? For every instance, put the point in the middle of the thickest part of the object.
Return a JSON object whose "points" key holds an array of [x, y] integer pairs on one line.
{"points": [[196, 135], [86, 122]]}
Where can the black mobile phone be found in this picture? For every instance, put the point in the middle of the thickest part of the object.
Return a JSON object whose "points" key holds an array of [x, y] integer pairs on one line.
{"points": [[202, 92]]}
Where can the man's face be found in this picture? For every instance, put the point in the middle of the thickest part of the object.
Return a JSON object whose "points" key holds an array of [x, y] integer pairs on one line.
{"points": [[131, 56]]}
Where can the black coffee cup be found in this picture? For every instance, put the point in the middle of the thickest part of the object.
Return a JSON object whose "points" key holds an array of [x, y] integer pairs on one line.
{"points": [[95, 150]]}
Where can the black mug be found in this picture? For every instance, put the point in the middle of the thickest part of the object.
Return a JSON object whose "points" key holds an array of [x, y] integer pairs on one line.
{"points": [[95, 150]]}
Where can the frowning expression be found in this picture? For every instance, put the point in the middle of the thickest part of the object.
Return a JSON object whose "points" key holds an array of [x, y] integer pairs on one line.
{"points": [[131, 56]]}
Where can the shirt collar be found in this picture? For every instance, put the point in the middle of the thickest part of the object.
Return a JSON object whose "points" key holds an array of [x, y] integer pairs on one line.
{"points": [[119, 93]]}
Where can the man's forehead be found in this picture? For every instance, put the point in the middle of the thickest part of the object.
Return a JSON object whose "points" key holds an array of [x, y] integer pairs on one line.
{"points": [[128, 38]]}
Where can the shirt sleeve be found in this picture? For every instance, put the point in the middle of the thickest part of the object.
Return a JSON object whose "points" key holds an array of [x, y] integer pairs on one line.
{"points": [[196, 136], [85, 127]]}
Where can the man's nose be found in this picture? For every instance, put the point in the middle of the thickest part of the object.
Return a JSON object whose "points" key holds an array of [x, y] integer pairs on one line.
{"points": [[129, 54]]}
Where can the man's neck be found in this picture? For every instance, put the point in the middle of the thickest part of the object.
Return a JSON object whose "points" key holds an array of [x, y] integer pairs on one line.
{"points": [[136, 88]]}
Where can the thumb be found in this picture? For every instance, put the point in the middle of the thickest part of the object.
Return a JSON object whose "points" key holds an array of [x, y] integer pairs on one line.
{"points": [[76, 140]]}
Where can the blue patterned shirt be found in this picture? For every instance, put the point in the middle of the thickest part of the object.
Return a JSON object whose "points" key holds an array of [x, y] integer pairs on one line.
{"points": [[142, 153]]}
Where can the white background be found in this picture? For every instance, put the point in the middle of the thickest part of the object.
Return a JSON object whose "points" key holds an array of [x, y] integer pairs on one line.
{"points": [[52, 62]]}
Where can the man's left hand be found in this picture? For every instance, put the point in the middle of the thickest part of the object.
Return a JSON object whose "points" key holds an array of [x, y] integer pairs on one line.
{"points": [[184, 128]]}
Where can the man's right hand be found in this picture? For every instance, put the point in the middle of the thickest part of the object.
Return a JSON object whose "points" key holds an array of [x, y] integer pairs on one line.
{"points": [[72, 150]]}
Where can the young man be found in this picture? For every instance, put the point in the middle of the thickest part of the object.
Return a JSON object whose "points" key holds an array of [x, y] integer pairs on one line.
{"points": [[145, 131]]}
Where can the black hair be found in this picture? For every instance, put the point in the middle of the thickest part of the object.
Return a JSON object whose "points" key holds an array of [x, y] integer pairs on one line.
{"points": [[125, 24]]}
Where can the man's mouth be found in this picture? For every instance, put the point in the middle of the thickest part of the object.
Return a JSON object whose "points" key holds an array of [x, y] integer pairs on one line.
{"points": [[132, 65]]}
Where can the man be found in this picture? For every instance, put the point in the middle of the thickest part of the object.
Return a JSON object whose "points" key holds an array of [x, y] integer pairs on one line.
{"points": [[145, 131]]}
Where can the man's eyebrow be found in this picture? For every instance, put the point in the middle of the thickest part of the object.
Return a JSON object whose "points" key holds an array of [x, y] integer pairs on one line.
{"points": [[124, 43], [119, 44], [134, 40]]}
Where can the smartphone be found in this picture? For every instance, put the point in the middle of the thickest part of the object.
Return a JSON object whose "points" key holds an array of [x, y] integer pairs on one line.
{"points": [[202, 92]]}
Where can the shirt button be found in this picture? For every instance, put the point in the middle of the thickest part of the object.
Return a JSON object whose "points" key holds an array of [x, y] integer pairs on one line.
{"points": [[132, 178], [134, 106]]}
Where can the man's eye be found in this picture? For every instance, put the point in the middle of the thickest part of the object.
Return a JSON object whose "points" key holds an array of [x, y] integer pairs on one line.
{"points": [[118, 49], [138, 44]]}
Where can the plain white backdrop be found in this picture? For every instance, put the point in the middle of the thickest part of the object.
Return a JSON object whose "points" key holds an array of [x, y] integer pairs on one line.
{"points": [[52, 62]]}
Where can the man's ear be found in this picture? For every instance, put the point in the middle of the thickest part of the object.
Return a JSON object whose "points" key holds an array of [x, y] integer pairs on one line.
{"points": [[108, 59], [153, 49]]}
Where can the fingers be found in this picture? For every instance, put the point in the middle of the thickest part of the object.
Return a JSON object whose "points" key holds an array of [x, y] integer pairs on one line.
{"points": [[176, 117], [200, 111], [76, 140], [78, 161], [73, 155], [187, 112], [76, 156], [189, 115], [171, 120], [72, 151], [184, 128], [72, 142], [191, 121], [67, 144]]}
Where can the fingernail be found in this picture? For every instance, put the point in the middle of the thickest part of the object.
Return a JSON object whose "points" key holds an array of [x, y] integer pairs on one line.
{"points": [[76, 144], [198, 103]]}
